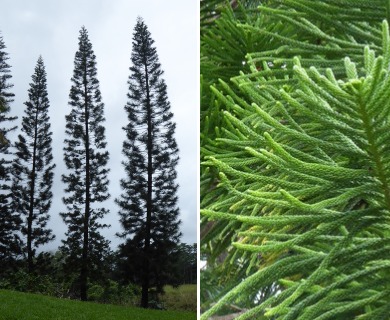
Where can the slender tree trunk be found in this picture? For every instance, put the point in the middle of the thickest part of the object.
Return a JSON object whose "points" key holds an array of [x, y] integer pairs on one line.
{"points": [[146, 262], [84, 262], [31, 204]]}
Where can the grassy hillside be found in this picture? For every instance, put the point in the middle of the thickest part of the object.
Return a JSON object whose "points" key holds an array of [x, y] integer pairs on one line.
{"points": [[24, 306]]}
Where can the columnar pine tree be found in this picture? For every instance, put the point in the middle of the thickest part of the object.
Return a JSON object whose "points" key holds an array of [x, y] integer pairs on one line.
{"points": [[33, 167], [86, 158], [9, 222], [149, 212]]}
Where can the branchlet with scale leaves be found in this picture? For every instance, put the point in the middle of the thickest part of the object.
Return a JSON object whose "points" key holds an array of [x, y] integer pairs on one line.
{"points": [[295, 182]]}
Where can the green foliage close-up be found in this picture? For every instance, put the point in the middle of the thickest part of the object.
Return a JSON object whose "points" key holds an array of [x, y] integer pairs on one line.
{"points": [[295, 179]]}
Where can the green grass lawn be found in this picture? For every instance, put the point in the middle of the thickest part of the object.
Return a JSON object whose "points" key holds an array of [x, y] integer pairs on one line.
{"points": [[23, 306]]}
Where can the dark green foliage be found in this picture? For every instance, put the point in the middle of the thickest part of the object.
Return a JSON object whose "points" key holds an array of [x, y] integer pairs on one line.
{"points": [[115, 293], [182, 267], [148, 204], [9, 221], [185, 267], [32, 169], [50, 278], [86, 158], [129, 260]]}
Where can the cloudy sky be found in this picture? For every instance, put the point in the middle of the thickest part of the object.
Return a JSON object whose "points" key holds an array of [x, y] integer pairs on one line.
{"points": [[51, 29]]}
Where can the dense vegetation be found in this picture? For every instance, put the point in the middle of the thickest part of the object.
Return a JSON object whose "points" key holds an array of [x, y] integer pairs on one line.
{"points": [[50, 278], [295, 161]]}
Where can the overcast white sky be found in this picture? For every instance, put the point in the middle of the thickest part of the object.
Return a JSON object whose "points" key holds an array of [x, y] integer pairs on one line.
{"points": [[51, 29]]}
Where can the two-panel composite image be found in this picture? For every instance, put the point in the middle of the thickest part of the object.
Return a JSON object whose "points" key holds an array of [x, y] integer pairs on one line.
{"points": [[198, 159]]}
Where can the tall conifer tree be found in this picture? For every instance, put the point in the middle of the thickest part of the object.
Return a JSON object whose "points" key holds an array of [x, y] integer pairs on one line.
{"points": [[86, 158], [9, 222], [33, 167], [148, 204]]}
